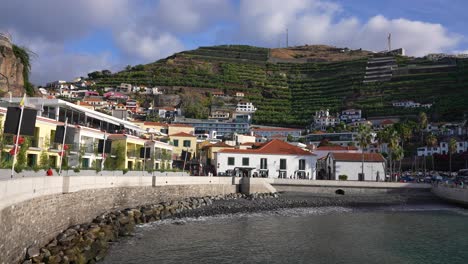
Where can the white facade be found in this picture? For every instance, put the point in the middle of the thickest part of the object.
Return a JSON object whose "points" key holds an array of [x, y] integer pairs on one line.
{"points": [[323, 119], [351, 115], [352, 169], [245, 107], [410, 104], [272, 168], [461, 146]]}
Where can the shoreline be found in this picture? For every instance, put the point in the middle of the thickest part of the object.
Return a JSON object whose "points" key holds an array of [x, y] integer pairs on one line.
{"points": [[89, 242], [306, 200]]}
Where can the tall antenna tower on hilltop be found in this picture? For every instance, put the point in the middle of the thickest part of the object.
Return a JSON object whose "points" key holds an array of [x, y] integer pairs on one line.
{"points": [[389, 41], [287, 38]]}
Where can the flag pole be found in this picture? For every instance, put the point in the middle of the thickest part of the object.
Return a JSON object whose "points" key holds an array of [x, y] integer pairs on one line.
{"points": [[144, 158], [17, 136], [103, 152], [63, 145]]}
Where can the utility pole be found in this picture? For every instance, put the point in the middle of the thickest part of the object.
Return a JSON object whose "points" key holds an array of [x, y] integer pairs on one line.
{"points": [[389, 40]]}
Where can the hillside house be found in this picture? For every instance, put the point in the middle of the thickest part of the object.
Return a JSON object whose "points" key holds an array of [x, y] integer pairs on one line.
{"points": [[323, 119], [243, 106], [239, 94], [351, 115]]}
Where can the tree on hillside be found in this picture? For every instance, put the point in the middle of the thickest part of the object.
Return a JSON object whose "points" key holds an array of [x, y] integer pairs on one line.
{"points": [[422, 124], [431, 141], [452, 148], [364, 137], [193, 106]]}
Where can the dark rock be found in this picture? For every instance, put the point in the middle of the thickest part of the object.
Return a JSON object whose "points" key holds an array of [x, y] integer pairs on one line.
{"points": [[32, 252]]}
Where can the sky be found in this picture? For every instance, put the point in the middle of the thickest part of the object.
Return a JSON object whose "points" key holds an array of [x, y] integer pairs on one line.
{"points": [[71, 38]]}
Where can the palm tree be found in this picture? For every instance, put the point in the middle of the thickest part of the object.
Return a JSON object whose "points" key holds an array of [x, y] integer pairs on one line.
{"points": [[364, 137], [390, 137], [452, 147], [422, 124], [393, 144], [398, 155], [431, 141]]}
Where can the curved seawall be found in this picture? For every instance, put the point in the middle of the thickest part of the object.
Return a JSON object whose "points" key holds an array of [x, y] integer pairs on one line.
{"points": [[34, 210], [453, 194]]}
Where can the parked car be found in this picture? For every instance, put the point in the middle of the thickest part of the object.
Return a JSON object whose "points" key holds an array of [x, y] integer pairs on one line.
{"points": [[407, 179]]}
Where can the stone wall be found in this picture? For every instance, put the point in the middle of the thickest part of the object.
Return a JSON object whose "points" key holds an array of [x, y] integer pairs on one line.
{"points": [[11, 68], [34, 222], [349, 187]]}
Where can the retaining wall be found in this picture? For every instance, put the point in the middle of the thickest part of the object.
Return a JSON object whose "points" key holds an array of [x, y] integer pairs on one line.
{"points": [[349, 187], [36, 209]]}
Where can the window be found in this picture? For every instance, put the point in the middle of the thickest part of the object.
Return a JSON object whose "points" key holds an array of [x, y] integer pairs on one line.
{"points": [[231, 161], [245, 161], [282, 164], [176, 142], [302, 164], [263, 164], [187, 143]]}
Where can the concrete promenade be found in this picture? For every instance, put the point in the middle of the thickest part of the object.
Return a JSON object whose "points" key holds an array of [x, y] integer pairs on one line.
{"points": [[455, 194]]}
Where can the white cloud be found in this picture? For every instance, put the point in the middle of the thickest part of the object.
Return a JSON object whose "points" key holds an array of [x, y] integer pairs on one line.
{"points": [[183, 16], [319, 22], [145, 31], [148, 47]]}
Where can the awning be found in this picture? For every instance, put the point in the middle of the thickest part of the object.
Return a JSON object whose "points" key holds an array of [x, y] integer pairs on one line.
{"points": [[101, 118]]}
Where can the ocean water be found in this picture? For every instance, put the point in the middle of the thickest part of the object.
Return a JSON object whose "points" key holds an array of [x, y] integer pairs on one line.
{"points": [[398, 234]]}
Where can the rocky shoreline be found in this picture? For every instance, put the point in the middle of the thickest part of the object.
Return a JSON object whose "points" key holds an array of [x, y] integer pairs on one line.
{"points": [[89, 243]]}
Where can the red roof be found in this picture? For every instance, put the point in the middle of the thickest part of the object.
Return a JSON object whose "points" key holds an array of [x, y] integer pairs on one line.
{"points": [[276, 147], [182, 134], [387, 122], [221, 145], [179, 125], [331, 148], [368, 157], [218, 145]]}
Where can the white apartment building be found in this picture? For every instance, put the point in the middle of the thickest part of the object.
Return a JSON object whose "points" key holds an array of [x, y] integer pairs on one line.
{"points": [[351, 115], [243, 106], [323, 119], [442, 148]]}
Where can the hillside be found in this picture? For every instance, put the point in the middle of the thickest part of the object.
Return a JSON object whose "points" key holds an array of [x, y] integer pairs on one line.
{"points": [[288, 85]]}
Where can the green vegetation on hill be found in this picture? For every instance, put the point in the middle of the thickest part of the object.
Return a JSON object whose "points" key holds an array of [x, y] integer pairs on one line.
{"points": [[289, 93]]}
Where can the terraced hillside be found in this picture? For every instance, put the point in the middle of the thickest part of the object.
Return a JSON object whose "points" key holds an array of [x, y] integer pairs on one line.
{"points": [[287, 94]]}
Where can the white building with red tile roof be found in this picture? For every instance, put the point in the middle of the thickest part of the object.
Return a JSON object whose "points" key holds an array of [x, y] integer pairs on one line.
{"points": [[323, 151], [275, 159], [350, 164]]}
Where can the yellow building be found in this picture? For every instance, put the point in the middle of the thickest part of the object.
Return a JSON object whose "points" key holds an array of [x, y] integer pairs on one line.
{"points": [[211, 150], [180, 128], [41, 142], [83, 152], [183, 141]]}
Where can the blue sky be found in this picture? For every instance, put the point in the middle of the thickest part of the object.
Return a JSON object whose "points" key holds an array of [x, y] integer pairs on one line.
{"points": [[72, 38]]}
